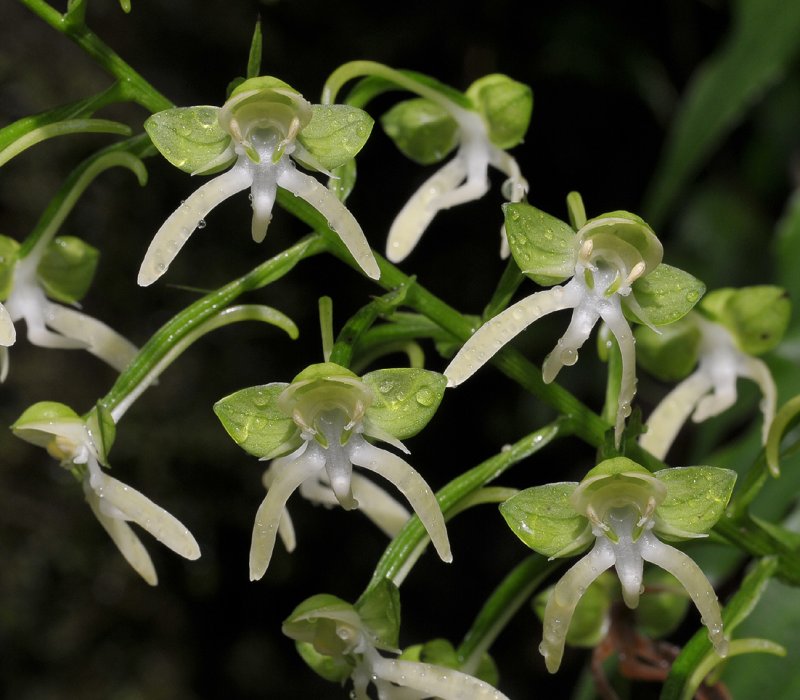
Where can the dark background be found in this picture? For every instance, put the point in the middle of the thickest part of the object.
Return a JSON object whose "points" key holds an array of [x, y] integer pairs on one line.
{"points": [[75, 621]]}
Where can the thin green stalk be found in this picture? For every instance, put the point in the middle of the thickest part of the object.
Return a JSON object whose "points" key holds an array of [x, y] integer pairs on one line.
{"points": [[134, 85], [501, 606]]}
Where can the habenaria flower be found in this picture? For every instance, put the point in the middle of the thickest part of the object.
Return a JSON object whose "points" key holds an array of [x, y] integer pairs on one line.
{"points": [[723, 338], [80, 445], [263, 129], [483, 124], [317, 428], [61, 270], [340, 641], [623, 510], [613, 264]]}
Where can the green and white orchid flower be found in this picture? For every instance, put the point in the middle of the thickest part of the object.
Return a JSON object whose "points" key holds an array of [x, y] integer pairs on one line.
{"points": [[80, 445], [317, 427], [263, 129], [622, 510]]}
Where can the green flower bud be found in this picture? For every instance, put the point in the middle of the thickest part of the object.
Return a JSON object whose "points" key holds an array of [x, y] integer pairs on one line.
{"points": [[671, 354], [67, 268], [422, 130], [506, 105]]}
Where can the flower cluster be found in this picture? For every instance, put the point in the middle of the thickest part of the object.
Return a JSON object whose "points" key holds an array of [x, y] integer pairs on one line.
{"points": [[317, 427], [622, 510]]}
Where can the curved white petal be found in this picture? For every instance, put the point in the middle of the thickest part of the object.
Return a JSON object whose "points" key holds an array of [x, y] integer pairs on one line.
{"points": [[564, 599], [618, 325], [336, 214], [674, 410], [498, 331], [692, 578], [175, 231], [284, 483], [115, 497], [757, 370], [580, 327], [98, 338], [418, 212], [408, 481], [383, 510], [7, 332], [476, 185], [3, 363], [430, 681], [126, 540], [285, 526]]}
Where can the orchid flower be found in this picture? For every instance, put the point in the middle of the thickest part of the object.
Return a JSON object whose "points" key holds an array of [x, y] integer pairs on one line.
{"points": [[80, 445], [263, 129], [731, 327], [318, 427], [60, 269], [614, 262], [622, 510], [341, 641]]}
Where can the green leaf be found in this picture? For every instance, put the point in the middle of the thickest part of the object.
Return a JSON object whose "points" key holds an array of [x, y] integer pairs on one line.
{"points": [[696, 498], [343, 180], [543, 246], [666, 294], [785, 419], [103, 430], [379, 609], [9, 256], [254, 57], [422, 130], [405, 399], [252, 418], [671, 354], [67, 268], [335, 134], [506, 105], [721, 92], [545, 520], [190, 138], [756, 316]]}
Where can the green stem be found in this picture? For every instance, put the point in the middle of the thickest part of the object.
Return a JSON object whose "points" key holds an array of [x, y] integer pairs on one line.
{"points": [[509, 282], [199, 312], [405, 543], [134, 85], [501, 606]]}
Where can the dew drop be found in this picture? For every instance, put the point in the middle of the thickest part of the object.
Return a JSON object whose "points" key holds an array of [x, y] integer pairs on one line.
{"points": [[385, 387], [692, 296], [201, 223], [569, 357], [425, 397]]}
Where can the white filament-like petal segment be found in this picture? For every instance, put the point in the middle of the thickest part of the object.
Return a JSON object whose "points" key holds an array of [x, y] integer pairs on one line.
{"points": [[564, 599], [175, 231], [410, 484], [7, 332], [672, 412], [285, 526], [262, 192], [566, 351], [3, 363], [116, 499], [429, 680], [123, 536], [498, 331], [757, 370], [100, 340], [289, 475], [722, 371], [418, 212], [692, 578], [336, 214], [614, 319]]}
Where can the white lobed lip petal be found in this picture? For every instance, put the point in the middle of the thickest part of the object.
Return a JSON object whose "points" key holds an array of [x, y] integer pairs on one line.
{"points": [[408, 481], [430, 681], [175, 231], [136, 507], [336, 214], [566, 351], [268, 517], [263, 192], [97, 338], [498, 331], [757, 370], [7, 332], [418, 212], [128, 543], [565, 597], [674, 410], [692, 578]]}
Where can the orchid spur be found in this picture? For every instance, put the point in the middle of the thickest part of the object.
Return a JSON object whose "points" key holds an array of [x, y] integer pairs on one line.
{"points": [[723, 339], [622, 510], [341, 641], [81, 445], [263, 129], [481, 125], [317, 427], [613, 264]]}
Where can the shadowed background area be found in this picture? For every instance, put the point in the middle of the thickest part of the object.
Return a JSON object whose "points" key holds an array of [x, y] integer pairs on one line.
{"points": [[75, 621]]}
